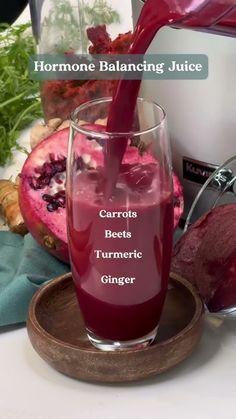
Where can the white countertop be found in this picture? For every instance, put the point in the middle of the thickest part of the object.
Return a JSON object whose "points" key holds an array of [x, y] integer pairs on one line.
{"points": [[201, 387]]}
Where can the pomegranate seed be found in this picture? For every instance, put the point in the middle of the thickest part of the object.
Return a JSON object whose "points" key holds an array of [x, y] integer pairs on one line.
{"points": [[33, 183], [80, 165], [43, 181], [55, 201], [59, 194], [58, 179], [47, 169], [60, 198], [47, 172], [52, 206], [60, 166], [47, 197], [52, 157]]}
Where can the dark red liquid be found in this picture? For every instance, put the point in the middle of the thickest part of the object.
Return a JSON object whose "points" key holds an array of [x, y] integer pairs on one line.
{"points": [[112, 310]]}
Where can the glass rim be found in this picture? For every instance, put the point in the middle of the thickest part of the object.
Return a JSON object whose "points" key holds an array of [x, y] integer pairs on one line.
{"points": [[107, 134]]}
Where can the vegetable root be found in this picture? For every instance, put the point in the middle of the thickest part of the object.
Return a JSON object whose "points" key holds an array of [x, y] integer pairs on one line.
{"points": [[9, 207], [41, 131]]}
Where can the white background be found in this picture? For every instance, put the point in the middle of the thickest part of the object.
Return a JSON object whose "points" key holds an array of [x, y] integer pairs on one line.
{"points": [[202, 387]]}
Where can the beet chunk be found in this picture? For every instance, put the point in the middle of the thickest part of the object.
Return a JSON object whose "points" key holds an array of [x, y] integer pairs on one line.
{"points": [[225, 294], [186, 248], [206, 256], [215, 262]]}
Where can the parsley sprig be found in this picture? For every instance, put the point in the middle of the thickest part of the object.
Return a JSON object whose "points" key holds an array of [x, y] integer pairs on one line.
{"points": [[19, 96]]}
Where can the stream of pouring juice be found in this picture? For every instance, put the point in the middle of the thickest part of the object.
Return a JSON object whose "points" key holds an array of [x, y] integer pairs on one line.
{"points": [[122, 298]]}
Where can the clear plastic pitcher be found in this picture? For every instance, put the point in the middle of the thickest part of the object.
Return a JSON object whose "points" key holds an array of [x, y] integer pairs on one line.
{"points": [[78, 26]]}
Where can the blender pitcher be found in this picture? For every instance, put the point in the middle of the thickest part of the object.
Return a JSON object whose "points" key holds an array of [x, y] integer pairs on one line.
{"points": [[215, 16], [78, 26], [201, 114]]}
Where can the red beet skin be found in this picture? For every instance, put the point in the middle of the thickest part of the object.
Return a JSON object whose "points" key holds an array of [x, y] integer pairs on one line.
{"points": [[225, 295], [206, 256], [186, 248], [215, 261]]}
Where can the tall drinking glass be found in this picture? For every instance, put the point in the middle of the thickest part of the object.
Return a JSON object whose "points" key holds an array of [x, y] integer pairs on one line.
{"points": [[120, 243]]}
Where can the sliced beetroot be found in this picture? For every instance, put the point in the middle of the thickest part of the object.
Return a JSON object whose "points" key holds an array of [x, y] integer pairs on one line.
{"points": [[206, 256], [225, 294], [185, 250], [215, 261]]}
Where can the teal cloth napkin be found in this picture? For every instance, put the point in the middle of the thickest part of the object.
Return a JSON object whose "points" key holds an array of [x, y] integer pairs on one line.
{"points": [[24, 267]]}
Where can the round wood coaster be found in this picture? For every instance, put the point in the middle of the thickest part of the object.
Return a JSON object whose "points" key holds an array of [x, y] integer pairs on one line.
{"points": [[57, 333]]}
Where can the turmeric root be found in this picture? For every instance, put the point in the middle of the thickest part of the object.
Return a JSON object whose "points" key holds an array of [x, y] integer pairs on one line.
{"points": [[9, 207]]}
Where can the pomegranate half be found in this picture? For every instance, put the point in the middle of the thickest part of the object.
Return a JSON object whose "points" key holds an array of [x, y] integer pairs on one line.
{"points": [[42, 190]]}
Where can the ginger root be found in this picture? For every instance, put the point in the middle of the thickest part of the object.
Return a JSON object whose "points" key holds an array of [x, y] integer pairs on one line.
{"points": [[9, 207], [41, 131]]}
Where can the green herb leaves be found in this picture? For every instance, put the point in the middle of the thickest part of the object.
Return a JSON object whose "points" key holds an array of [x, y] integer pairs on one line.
{"points": [[100, 13], [19, 96], [64, 28]]}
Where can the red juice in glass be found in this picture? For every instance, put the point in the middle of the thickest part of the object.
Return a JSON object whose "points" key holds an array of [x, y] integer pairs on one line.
{"points": [[120, 258], [120, 245]]}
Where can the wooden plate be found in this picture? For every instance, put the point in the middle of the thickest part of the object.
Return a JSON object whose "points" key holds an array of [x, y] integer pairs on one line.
{"points": [[57, 333]]}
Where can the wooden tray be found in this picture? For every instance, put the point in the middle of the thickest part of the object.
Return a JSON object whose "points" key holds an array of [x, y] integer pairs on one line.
{"points": [[57, 333]]}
